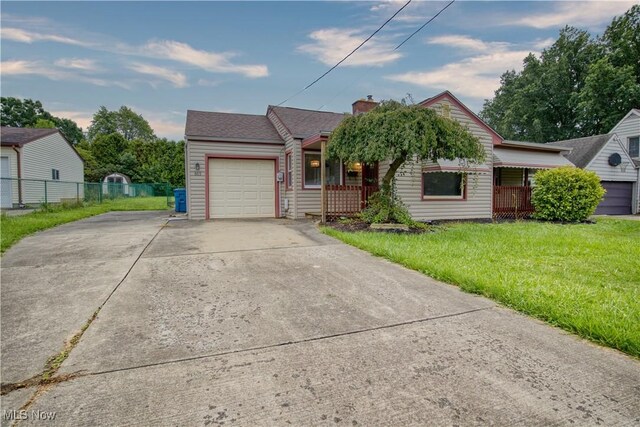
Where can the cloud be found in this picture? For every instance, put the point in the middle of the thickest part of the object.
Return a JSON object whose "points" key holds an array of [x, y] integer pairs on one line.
{"points": [[24, 36], [330, 45], [39, 68], [476, 77], [466, 43], [176, 78], [78, 64], [580, 14], [209, 61], [215, 62]]}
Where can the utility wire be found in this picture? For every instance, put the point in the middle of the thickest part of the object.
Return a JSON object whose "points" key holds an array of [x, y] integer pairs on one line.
{"points": [[346, 57], [394, 49], [424, 25]]}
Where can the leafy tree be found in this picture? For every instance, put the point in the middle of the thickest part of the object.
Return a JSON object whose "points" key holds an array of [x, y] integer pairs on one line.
{"points": [[621, 40], [107, 149], [44, 124], [124, 121], [26, 113], [565, 93], [397, 132], [608, 94]]}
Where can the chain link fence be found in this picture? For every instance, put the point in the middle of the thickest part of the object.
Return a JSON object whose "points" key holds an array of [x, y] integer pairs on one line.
{"points": [[32, 193]]}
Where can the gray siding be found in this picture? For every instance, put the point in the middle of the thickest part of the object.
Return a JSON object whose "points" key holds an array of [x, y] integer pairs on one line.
{"points": [[606, 172], [197, 152], [38, 158], [627, 128], [479, 190]]}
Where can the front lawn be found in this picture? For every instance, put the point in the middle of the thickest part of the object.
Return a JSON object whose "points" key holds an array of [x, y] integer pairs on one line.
{"points": [[584, 278], [14, 228]]}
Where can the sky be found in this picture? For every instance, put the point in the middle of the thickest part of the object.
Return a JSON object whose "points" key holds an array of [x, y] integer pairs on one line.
{"points": [[163, 58]]}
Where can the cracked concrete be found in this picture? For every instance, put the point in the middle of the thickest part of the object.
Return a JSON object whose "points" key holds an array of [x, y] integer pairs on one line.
{"points": [[270, 323]]}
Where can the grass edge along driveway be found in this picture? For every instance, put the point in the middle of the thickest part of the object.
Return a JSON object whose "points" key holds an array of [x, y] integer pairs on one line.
{"points": [[584, 278], [14, 228]]}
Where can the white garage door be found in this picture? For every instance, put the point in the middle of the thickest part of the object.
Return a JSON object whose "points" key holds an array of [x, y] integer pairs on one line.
{"points": [[241, 188]]}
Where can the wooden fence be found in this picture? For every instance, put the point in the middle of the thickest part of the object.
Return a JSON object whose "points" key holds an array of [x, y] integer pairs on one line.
{"points": [[512, 202], [347, 200]]}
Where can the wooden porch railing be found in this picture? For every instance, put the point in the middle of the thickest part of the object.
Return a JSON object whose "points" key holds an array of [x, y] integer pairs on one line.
{"points": [[512, 202], [347, 200]]}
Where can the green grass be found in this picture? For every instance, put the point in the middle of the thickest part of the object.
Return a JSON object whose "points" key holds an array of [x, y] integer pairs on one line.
{"points": [[583, 278], [14, 228]]}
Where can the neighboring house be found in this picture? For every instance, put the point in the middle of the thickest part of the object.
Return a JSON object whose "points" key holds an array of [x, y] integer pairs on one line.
{"points": [[607, 156], [240, 165], [116, 184], [35, 156]]}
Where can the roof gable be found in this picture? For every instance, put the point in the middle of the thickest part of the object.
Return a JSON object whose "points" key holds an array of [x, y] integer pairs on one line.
{"points": [[497, 139], [615, 140], [583, 150], [304, 123], [634, 111], [230, 127], [21, 136]]}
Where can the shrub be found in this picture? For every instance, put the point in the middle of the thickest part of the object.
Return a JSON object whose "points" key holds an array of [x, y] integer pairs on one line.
{"points": [[383, 208], [566, 194]]}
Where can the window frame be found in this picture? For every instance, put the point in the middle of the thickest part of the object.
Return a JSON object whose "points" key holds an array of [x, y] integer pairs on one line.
{"points": [[637, 140], [55, 174], [461, 198], [317, 187], [288, 169]]}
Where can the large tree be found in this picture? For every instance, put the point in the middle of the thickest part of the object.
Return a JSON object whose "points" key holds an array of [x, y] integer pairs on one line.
{"points": [[124, 121], [18, 112], [565, 92], [400, 133]]}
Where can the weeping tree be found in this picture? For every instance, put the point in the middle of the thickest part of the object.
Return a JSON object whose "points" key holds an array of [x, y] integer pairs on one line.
{"points": [[398, 133]]}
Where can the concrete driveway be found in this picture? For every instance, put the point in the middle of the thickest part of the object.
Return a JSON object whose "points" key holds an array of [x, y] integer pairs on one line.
{"points": [[273, 323]]}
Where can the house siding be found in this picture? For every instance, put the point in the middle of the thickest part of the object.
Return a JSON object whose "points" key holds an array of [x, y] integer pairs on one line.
{"points": [[197, 152], [13, 168], [600, 165], [38, 158], [288, 193], [479, 186], [627, 128]]}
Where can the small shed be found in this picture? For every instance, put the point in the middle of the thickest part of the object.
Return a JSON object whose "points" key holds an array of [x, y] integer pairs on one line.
{"points": [[117, 184]]}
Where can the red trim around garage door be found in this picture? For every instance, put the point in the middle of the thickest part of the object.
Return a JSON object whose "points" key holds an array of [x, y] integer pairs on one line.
{"points": [[276, 167]]}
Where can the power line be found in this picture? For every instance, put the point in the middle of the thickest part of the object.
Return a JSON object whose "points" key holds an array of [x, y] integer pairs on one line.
{"points": [[396, 48], [424, 25], [346, 57]]}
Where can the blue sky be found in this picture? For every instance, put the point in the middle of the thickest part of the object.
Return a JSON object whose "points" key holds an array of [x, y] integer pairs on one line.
{"points": [[162, 58]]}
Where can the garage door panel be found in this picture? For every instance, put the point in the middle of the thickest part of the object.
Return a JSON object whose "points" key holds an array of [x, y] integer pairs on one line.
{"points": [[617, 200], [241, 188]]}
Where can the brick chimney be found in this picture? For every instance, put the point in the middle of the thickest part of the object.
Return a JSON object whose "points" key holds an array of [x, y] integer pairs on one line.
{"points": [[362, 106]]}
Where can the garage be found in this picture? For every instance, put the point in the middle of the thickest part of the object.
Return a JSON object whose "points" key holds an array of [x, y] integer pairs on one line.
{"points": [[617, 200], [241, 188]]}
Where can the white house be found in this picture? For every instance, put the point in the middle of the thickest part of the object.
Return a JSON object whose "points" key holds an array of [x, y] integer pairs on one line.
{"points": [[34, 159], [615, 158]]}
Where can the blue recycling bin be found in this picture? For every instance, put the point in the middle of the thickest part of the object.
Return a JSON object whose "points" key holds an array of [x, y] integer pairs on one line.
{"points": [[180, 195]]}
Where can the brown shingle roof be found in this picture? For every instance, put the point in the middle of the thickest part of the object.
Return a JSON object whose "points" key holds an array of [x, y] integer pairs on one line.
{"points": [[583, 149], [20, 136], [304, 123], [230, 126]]}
